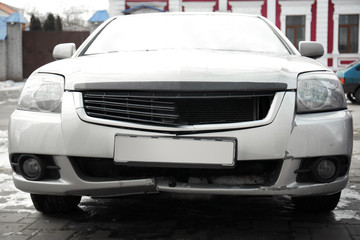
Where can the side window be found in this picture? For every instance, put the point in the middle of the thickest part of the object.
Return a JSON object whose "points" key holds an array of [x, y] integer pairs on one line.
{"points": [[348, 33], [295, 29]]}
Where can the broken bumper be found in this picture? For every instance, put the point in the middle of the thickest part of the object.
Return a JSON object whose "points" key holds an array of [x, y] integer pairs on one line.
{"points": [[287, 137], [71, 184]]}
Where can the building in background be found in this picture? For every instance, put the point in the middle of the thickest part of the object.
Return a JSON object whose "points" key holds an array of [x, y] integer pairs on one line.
{"points": [[6, 10], [334, 23], [12, 23], [98, 18]]}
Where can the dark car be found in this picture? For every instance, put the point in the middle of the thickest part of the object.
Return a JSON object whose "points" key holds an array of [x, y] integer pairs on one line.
{"points": [[350, 78]]}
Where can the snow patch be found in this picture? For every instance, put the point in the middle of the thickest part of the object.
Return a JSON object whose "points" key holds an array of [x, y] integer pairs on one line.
{"points": [[348, 196], [18, 200], [12, 198], [346, 214], [10, 91], [4, 157], [3, 141], [4, 177]]}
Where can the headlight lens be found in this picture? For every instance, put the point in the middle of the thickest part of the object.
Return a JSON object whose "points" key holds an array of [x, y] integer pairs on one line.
{"points": [[42, 93], [319, 92]]}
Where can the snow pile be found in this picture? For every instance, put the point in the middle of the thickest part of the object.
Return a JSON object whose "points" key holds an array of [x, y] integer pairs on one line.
{"points": [[348, 196], [4, 158], [10, 91], [11, 198], [3, 141]]}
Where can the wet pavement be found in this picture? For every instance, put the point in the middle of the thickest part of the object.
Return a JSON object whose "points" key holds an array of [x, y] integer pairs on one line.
{"points": [[165, 216]]}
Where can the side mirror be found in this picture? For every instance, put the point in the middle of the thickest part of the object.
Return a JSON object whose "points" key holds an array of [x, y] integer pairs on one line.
{"points": [[311, 49], [64, 50]]}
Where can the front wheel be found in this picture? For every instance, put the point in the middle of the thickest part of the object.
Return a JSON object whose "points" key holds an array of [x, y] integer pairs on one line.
{"points": [[323, 203], [55, 204], [351, 98], [357, 96]]}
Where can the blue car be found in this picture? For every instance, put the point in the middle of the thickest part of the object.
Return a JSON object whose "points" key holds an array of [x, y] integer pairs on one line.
{"points": [[350, 78]]}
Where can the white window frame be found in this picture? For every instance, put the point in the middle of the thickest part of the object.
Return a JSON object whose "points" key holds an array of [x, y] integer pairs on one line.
{"points": [[207, 6], [344, 7], [249, 7], [297, 8]]}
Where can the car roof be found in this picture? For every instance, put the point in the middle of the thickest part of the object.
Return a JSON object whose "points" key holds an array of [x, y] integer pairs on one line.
{"points": [[167, 14]]}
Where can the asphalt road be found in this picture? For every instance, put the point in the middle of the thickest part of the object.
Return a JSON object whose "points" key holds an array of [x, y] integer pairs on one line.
{"points": [[166, 217]]}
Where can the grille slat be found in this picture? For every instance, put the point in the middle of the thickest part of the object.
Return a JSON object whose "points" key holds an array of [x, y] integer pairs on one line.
{"points": [[128, 105], [134, 113], [178, 108], [126, 98], [129, 119]]}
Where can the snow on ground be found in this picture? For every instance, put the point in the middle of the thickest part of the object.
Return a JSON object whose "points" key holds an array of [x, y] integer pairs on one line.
{"points": [[10, 91], [10, 197], [4, 158], [348, 196]]}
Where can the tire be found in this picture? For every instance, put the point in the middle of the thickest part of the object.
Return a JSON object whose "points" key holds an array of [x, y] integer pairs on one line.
{"points": [[357, 96], [55, 204], [351, 98], [323, 203]]}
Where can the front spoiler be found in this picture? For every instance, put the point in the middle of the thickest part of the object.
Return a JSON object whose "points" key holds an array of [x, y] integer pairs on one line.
{"points": [[151, 185], [294, 189]]}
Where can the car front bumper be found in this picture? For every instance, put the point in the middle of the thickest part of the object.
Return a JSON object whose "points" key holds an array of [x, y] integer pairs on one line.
{"points": [[287, 137]]}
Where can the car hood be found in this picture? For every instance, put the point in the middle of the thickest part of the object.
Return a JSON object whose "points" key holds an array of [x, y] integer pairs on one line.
{"points": [[115, 69]]}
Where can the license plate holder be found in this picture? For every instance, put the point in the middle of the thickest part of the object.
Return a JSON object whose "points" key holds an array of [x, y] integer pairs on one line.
{"points": [[174, 151]]}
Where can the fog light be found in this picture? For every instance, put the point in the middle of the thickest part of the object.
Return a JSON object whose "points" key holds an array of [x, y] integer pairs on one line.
{"points": [[31, 167], [325, 170]]}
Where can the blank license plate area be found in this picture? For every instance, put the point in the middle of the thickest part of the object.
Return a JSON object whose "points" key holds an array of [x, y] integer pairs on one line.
{"points": [[188, 151]]}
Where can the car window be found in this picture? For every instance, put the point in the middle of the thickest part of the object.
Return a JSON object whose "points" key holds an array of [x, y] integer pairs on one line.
{"points": [[353, 64], [213, 32]]}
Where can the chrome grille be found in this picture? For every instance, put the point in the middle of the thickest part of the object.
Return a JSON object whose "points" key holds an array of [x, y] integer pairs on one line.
{"points": [[177, 108]]}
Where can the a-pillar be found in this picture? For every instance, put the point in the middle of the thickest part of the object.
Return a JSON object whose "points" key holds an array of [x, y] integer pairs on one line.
{"points": [[94, 25]]}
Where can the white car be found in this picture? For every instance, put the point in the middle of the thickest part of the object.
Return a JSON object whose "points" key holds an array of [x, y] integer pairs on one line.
{"points": [[193, 103]]}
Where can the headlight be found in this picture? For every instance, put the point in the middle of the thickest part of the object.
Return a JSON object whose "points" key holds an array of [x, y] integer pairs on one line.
{"points": [[319, 92], [42, 93]]}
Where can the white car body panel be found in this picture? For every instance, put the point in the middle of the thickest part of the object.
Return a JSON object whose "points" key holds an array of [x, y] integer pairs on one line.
{"points": [[214, 66]]}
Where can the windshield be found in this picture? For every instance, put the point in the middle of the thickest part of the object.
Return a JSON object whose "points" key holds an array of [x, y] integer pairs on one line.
{"points": [[353, 64], [214, 32]]}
